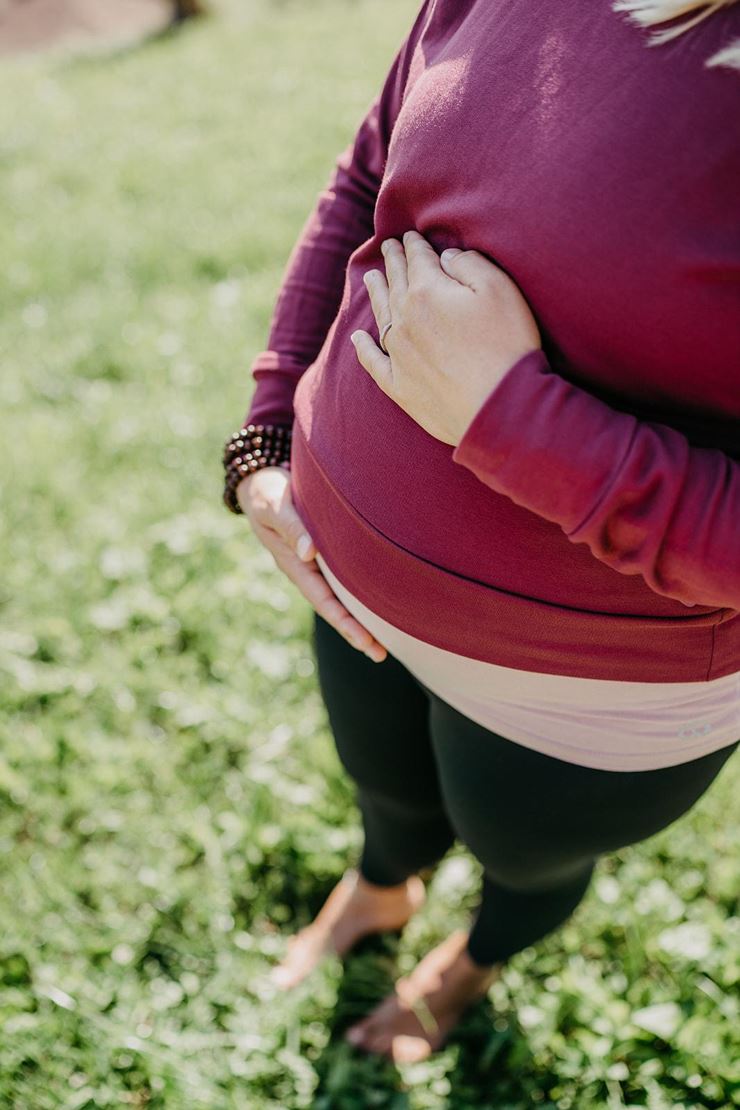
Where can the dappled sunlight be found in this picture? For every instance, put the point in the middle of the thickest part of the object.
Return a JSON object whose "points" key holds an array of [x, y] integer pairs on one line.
{"points": [[171, 805]]}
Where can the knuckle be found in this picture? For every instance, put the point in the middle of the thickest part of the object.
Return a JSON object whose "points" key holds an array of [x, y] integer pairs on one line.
{"points": [[265, 535], [323, 606], [348, 628], [399, 331], [493, 274], [279, 535], [344, 622], [420, 301], [333, 611], [260, 504], [260, 513], [419, 291]]}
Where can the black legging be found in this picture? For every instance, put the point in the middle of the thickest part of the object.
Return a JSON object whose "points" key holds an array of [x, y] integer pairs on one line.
{"points": [[426, 775]]}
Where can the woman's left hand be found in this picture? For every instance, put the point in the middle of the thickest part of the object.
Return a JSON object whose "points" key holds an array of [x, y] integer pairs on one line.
{"points": [[459, 324]]}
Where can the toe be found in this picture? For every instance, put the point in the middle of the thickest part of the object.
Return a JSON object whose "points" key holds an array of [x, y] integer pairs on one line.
{"points": [[356, 1034], [300, 959], [280, 977], [410, 1050], [379, 1044], [284, 977]]}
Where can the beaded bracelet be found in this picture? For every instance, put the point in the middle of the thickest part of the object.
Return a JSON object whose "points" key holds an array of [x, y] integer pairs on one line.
{"points": [[252, 448]]}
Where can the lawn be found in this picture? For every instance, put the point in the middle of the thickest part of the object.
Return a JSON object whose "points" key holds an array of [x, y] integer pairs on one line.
{"points": [[170, 802]]}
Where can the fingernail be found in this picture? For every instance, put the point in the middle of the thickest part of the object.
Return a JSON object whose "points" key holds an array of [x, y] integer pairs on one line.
{"points": [[354, 337], [451, 252], [303, 545]]}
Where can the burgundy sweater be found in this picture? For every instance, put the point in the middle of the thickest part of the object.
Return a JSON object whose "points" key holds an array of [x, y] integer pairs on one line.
{"points": [[588, 523]]}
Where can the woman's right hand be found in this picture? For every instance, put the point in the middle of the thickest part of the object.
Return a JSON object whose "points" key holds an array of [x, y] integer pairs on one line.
{"points": [[266, 501]]}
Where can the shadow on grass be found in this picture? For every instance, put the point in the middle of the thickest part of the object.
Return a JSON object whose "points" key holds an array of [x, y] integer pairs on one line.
{"points": [[91, 56], [348, 1079], [484, 1055]]}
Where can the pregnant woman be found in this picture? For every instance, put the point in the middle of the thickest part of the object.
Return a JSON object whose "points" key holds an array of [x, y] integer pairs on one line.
{"points": [[495, 442]]}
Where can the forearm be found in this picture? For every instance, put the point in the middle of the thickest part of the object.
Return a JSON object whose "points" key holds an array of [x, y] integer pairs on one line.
{"points": [[311, 291], [637, 493]]}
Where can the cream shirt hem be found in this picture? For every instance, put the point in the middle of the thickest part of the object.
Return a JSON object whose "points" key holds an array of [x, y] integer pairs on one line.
{"points": [[607, 725]]}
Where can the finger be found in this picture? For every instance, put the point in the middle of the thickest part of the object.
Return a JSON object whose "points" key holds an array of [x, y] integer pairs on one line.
{"points": [[469, 268], [285, 522], [421, 258], [307, 577], [372, 358], [377, 288], [292, 528], [317, 591], [328, 606], [395, 270]]}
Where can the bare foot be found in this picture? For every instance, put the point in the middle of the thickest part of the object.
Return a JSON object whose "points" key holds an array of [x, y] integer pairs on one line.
{"points": [[416, 1019], [353, 910]]}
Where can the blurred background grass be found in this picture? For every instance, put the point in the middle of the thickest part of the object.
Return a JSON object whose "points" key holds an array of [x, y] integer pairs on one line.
{"points": [[170, 801]]}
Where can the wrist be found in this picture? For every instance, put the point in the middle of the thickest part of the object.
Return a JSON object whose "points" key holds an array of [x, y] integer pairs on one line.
{"points": [[250, 449]]}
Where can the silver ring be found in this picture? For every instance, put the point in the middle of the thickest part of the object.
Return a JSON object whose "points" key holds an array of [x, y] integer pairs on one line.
{"points": [[383, 334]]}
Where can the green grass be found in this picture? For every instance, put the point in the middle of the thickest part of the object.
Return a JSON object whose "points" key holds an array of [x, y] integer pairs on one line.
{"points": [[170, 801]]}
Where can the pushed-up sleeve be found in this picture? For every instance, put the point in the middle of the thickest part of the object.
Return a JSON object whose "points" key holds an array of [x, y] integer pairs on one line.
{"points": [[341, 220], [642, 498]]}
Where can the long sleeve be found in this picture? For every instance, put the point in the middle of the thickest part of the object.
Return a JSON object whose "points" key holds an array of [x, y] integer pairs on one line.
{"points": [[342, 219], [642, 498]]}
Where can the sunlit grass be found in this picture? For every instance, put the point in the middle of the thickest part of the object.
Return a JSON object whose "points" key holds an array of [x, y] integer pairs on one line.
{"points": [[169, 795]]}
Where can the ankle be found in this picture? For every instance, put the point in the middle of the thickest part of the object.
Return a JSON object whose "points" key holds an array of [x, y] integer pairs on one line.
{"points": [[485, 974], [378, 889]]}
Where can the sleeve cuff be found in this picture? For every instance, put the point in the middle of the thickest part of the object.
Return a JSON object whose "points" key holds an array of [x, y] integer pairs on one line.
{"points": [[544, 443], [496, 430], [272, 399]]}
